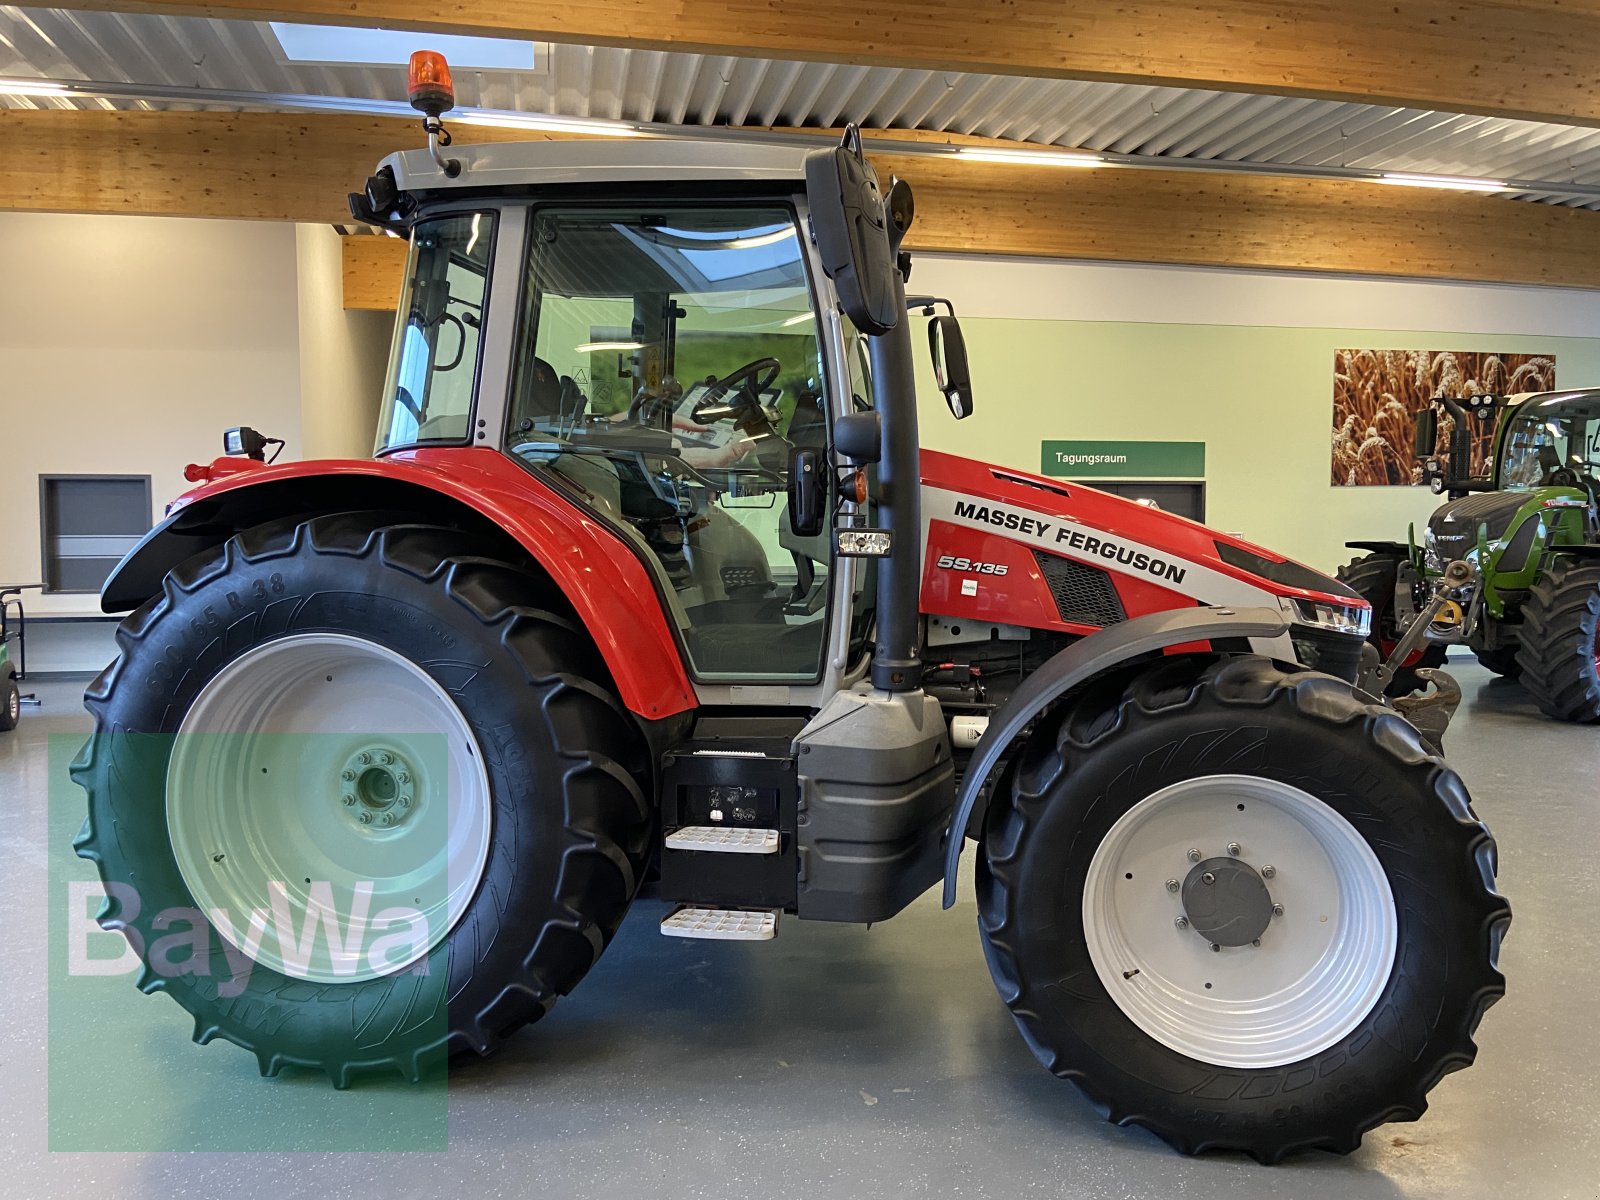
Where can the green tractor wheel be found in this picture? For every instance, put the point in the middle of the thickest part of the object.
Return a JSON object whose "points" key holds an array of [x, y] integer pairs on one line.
{"points": [[1374, 575], [1560, 652], [10, 705]]}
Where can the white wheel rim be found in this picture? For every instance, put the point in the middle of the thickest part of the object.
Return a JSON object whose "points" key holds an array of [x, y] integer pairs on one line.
{"points": [[1321, 964], [260, 800]]}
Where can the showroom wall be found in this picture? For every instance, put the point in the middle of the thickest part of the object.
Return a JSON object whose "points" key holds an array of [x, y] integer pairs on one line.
{"points": [[127, 344], [342, 354], [1242, 361]]}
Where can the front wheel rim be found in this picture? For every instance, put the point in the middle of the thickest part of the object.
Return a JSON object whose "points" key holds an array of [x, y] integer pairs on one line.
{"points": [[329, 800], [1323, 950]]}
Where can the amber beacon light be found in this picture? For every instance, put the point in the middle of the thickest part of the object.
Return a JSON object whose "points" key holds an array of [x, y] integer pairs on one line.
{"points": [[431, 93], [428, 85]]}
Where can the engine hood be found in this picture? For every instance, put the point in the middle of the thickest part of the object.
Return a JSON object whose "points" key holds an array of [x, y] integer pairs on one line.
{"points": [[1455, 525], [1151, 558]]}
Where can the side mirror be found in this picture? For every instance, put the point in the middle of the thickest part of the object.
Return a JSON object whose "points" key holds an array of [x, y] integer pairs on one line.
{"points": [[859, 437], [948, 349], [851, 228], [1427, 435], [807, 493]]}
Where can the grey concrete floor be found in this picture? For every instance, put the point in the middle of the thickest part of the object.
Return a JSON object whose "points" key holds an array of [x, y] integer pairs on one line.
{"points": [[833, 1062]]}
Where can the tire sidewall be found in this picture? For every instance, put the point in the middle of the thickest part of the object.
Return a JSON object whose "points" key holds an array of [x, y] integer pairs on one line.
{"points": [[160, 675], [1068, 822]]}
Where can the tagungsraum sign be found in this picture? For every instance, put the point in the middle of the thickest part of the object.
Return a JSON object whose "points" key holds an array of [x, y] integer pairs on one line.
{"points": [[1124, 460]]}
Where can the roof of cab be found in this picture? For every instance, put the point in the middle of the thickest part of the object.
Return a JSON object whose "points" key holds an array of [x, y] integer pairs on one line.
{"points": [[612, 160]]}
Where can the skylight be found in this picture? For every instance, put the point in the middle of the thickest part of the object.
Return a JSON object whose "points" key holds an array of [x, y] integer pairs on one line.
{"points": [[336, 44]]}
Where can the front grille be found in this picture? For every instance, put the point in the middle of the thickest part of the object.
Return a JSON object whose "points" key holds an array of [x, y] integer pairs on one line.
{"points": [[1332, 653], [1083, 594]]}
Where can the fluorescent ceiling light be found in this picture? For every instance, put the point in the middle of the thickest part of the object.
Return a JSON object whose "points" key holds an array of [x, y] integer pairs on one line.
{"points": [[591, 347], [1043, 158], [393, 47], [1454, 183], [32, 87], [545, 123]]}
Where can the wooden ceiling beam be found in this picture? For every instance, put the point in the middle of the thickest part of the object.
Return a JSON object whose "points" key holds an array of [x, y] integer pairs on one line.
{"points": [[299, 168], [1531, 58]]}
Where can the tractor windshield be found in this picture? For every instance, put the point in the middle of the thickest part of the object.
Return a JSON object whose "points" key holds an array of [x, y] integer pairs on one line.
{"points": [[667, 367], [1552, 441]]}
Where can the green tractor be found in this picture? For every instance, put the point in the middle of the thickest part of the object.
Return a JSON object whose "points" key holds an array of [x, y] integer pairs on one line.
{"points": [[1510, 564]]}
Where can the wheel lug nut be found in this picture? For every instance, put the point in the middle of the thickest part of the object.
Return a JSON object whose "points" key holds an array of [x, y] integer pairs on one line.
{"points": [[366, 818], [349, 799], [347, 775], [1194, 855], [402, 776], [1255, 942], [1172, 885], [1233, 849], [1216, 949], [386, 758], [386, 819], [1268, 871], [1181, 922], [405, 801], [1277, 910], [364, 758]]}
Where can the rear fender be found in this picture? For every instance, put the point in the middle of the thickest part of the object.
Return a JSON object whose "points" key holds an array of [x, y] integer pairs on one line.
{"points": [[1088, 657], [471, 488]]}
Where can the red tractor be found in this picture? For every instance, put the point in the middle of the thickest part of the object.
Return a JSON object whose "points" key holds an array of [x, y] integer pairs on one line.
{"points": [[649, 584]]}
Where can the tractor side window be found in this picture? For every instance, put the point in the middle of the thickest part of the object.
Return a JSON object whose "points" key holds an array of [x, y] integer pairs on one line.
{"points": [[864, 591], [668, 366], [433, 363]]}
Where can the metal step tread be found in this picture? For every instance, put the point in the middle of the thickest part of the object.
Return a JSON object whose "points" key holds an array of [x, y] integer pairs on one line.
{"points": [[722, 924], [724, 839]]}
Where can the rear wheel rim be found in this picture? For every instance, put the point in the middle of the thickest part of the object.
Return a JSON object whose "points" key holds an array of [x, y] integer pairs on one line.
{"points": [[1320, 962], [327, 781]]}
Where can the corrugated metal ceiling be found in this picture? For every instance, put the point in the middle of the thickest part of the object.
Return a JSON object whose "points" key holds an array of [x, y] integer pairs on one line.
{"points": [[585, 81]]}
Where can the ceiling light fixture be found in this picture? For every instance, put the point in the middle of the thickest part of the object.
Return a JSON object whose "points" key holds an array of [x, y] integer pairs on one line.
{"points": [[1452, 183], [33, 87], [1040, 158], [545, 123]]}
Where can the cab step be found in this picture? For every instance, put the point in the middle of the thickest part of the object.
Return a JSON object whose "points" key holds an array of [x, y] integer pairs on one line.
{"points": [[724, 839], [721, 924]]}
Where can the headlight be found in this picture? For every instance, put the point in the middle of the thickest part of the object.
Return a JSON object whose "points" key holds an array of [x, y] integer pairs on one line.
{"points": [[1335, 618], [1430, 552]]}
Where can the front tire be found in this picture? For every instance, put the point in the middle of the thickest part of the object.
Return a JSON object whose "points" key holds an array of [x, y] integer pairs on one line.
{"points": [[1284, 1036], [1502, 660], [1560, 649], [10, 704], [275, 658]]}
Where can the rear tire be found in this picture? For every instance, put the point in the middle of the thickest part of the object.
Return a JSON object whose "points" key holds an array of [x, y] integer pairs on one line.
{"points": [[568, 823], [1374, 576], [1242, 728], [1560, 650]]}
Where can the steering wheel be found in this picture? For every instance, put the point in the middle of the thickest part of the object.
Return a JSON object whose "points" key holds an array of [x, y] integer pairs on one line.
{"points": [[738, 394], [1561, 477]]}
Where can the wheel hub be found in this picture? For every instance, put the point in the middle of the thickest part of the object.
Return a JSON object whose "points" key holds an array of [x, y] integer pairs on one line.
{"points": [[1227, 902], [377, 787]]}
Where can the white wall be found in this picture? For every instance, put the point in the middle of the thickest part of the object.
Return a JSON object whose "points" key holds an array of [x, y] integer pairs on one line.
{"points": [[127, 345], [342, 354]]}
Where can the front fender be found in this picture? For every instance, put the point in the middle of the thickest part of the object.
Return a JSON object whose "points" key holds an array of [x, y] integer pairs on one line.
{"points": [[1080, 661]]}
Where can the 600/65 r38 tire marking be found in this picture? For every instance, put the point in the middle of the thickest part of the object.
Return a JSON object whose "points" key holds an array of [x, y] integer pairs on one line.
{"points": [[1127, 739], [567, 774]]}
